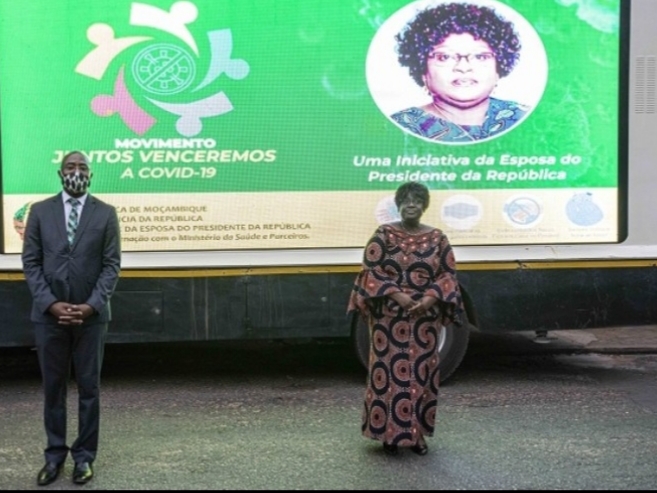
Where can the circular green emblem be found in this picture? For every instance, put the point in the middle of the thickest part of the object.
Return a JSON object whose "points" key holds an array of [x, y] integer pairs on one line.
{"points": [[163, 69]]}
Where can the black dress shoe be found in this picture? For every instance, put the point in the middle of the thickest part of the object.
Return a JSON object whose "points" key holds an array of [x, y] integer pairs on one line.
{"points": [[420, 448], [390, 449], [48, 473], [82, 473]]}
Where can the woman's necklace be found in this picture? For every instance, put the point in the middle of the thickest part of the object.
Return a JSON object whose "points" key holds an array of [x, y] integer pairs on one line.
{"points": [[442, 114]]}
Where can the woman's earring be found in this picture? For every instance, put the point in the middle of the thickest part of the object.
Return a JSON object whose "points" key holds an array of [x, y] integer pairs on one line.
{"points": [[426, 86]]}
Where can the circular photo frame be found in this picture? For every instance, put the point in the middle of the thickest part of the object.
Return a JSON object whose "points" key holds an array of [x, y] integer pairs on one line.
{"points": [[400, 97]]}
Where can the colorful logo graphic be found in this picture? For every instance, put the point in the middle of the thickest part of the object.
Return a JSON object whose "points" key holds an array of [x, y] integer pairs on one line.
{"points": [[523, 211], [161, 70], [461, 212], [582, 210], [386, 210]]}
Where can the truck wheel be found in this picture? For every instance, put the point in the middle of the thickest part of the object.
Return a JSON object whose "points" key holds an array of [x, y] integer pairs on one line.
{"points": [[452, 344]]}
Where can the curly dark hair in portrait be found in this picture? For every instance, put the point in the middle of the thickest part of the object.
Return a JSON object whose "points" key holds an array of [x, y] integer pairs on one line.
{"points": [[432, 26], [412, 187]]}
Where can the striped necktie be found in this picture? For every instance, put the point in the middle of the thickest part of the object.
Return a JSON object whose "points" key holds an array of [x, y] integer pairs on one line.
{"points": [[72, 223]]}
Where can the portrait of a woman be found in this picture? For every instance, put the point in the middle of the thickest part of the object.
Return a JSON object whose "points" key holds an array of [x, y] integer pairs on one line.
{"points": [[458, 52]]}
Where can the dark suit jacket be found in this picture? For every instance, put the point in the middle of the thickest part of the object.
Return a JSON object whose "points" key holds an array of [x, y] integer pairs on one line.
{"points": [[86, 272]]}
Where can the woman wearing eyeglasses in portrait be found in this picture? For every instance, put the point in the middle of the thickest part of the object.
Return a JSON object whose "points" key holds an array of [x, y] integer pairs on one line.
{"points": [[458, 52]]}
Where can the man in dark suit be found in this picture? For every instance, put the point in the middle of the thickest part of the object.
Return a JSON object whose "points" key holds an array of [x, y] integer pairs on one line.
{"points": [[71, 260]]}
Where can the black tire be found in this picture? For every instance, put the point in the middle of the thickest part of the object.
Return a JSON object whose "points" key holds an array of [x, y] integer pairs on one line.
{"points": [[453, 345]]}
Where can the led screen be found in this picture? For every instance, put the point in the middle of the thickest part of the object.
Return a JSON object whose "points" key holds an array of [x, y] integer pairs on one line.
{"points": [[258, 124]]}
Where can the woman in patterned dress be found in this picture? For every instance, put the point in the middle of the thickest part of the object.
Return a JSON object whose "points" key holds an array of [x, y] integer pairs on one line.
{"points": [[406, 290]]}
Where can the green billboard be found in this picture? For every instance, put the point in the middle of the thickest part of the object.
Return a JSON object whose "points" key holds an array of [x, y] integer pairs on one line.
{"points": [[290, 124]]}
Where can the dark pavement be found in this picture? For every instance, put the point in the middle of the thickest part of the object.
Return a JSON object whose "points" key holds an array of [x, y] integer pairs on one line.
{"points": [[577, 412], [618, 340]]}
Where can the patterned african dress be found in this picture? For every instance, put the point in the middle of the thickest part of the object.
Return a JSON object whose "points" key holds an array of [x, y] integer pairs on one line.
{"points": [[501, 116], [402, 384]]}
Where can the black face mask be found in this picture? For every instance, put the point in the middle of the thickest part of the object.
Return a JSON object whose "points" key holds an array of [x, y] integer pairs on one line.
{"points": [[75, 183]]}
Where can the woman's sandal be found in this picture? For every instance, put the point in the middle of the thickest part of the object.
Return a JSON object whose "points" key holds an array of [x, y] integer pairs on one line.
{"points": [[390, 449], [420, 448]]}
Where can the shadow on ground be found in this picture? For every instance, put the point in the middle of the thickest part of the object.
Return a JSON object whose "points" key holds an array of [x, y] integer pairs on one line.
{"points": [[335, 357]]}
